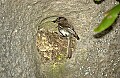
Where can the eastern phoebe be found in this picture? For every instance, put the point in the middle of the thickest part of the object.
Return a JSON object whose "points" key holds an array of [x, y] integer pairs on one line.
{"points": [[65, 28]]}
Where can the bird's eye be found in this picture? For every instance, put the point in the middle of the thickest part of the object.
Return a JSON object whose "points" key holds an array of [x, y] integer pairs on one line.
{"points": [[59, 18], [65, 19]]}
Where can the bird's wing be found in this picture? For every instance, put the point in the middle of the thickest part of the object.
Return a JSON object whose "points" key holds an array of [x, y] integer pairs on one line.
{"points": [[70, 26]]}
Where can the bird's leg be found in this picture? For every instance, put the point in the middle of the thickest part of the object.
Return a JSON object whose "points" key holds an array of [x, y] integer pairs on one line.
{"points": [[69, 51]]}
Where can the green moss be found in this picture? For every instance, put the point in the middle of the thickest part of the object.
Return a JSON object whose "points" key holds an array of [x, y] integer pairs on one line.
{"points": [[56, 71]]}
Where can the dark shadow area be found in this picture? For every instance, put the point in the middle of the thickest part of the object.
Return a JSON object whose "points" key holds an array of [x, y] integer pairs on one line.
{"points": [[118, 1], [98, 1]]}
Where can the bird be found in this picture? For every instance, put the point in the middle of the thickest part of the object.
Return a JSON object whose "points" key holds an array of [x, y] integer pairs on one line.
{"points": [[65, 29]]}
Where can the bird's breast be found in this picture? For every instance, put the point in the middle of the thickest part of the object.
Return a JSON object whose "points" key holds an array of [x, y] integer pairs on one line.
{"points": [[64, 32]]}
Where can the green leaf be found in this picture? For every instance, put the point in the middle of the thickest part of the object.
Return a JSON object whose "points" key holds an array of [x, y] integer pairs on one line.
{"points": [[108, 19]]}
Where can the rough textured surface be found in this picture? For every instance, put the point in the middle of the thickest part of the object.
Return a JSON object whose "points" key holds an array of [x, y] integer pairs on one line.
{"points": [[93, 58]]}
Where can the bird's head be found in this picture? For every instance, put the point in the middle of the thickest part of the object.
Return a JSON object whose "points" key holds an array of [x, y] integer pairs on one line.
{"points": [[60, 20]]}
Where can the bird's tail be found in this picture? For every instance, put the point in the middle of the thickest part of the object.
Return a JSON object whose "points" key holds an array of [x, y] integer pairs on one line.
{"points": [[76, 36]]}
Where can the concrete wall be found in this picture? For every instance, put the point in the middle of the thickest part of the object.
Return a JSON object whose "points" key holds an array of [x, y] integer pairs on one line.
{"points": [[94, 57]]}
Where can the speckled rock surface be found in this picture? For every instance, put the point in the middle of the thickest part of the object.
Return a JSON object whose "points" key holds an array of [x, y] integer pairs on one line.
{"points": [[93, 58]]}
